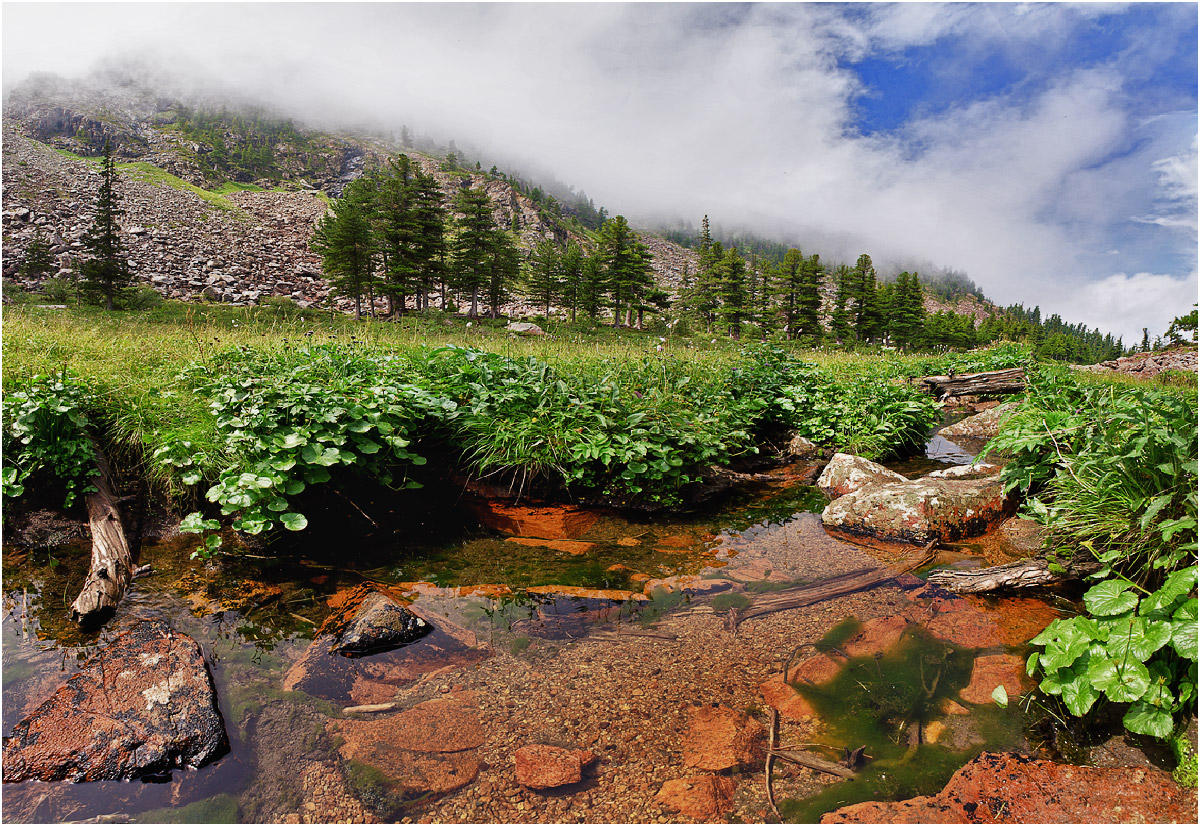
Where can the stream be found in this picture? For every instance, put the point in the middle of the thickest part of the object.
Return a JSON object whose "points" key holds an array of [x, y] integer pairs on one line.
{"points": [[546, 647]]}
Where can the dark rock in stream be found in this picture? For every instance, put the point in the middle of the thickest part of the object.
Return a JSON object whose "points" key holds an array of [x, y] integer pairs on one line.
{"points": [[1008, 788], [141, 707], [362, 617], [379, 623]]}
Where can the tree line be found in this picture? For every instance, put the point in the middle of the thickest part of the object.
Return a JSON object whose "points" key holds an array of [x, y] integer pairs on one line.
{"points": [[394, 237]]}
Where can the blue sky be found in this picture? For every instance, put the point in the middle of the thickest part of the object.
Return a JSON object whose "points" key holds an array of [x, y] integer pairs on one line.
{"points": [[1047, 150]]}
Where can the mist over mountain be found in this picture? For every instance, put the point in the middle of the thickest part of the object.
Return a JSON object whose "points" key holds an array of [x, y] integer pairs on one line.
{"points": [[1048, 152]]}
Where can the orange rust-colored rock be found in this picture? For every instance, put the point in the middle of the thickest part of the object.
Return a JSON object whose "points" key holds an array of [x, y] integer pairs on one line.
{"points": [[1008, 788], [988, 672], [574, 547], [980, 622], [545, 523], [142, 706], [704, 798], [629, 541], [547, 767], [876, 636], [612, 594], [721, 738], [786, 700], [817, 669], [430, 748]]}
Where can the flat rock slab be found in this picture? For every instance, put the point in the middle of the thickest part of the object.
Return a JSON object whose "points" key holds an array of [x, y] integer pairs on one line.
{"points": [[431, 748], [143, 706], [543, 523], [983, 425], [992, 670], [1007, 788], [705, 798], [547, 767], [721, 738]]}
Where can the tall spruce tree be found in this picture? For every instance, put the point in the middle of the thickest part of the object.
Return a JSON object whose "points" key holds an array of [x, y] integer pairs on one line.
{"points": [[789, 282], [626, 267], [343, 239], [731, 287], [840, 323], [471, 248], [808, 315], [504, 266], [106, 274], [571, 272], [543, 275], [865, 307]]}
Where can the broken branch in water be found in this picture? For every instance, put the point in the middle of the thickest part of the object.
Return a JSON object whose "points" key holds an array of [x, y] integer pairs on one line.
{"points": [[1028, 573], [833, 587], [112, 562]]}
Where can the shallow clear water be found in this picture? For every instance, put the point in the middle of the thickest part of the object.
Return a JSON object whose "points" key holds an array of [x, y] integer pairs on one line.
{"points": [[254, 615]]}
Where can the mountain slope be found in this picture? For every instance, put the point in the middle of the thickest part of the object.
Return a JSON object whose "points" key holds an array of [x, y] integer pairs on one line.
{"points": [[216, 201]]}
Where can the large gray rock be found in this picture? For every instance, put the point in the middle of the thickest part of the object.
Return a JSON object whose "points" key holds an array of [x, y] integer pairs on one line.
{"points": [[525, 328], [954, 503], [845, 474], [142, 706], [983, 425]]}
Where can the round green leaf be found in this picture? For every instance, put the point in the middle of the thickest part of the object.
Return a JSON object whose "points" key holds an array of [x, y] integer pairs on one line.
{"points": [[1143, 718], [1122, 682], [1110, 598], [294, 521]]}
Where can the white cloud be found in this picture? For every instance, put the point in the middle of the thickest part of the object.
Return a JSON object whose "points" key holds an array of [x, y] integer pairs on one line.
{"points": [[1124, 304], [746, 113]]}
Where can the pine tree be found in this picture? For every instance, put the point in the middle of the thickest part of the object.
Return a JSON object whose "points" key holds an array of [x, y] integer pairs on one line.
{"points": [[343, 239], [543, 276], [626, 266], [808, 311], [504, 265], [106, 274], [428, 248], [840, 322], [38, 261], [865, 308], [788, 285], [471, 248], [571, 272], [731, 287], [592, 284]]}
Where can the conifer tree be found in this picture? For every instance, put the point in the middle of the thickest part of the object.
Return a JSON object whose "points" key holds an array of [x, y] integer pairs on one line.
{"points": [[808, 311], [543, 275], [38, 261], [626, 267], [428, 237], [840, 321], [344, 241], [731, 287], [592, 284], [471, 249], [106, 274], [504, 265], [865, 308], [571, 272], [788, 285]]}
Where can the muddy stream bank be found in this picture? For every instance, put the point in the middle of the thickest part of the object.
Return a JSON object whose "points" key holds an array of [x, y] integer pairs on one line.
{"points": [[599, 640]]}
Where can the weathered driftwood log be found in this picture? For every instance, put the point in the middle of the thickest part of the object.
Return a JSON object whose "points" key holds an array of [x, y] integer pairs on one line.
{"points": [[833, 587], [112, 563], [1028, 573], [812, 761], [993, 383]]}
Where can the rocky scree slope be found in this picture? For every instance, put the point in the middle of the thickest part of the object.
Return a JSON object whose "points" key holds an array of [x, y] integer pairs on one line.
{"points": [[185, 239]]}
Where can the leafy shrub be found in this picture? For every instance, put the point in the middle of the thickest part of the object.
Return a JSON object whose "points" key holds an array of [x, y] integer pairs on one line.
{"points": [[287, 418], [1113, 473], [45, 438]]}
